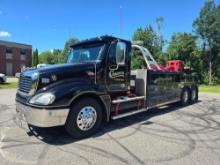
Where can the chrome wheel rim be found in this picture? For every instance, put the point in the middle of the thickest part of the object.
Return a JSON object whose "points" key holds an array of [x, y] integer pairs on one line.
{"points": [[185, 97], [86, 118], [193, 94]]}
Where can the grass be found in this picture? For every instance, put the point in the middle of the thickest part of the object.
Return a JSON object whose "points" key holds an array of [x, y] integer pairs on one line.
{"points": [[9, 85], [209, 88]]}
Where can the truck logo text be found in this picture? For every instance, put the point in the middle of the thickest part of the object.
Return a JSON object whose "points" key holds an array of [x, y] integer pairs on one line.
{"points": [[114, 75]]}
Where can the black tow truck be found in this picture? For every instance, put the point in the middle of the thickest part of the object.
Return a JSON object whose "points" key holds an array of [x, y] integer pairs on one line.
{"points": [[96, 85]]}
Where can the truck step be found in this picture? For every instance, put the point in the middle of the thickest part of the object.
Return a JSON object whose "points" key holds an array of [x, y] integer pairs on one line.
{"points": [[126, 99], [128, 114]]}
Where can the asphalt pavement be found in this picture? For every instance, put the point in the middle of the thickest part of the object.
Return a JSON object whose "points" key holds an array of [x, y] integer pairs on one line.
{"points": [[169, 135]]}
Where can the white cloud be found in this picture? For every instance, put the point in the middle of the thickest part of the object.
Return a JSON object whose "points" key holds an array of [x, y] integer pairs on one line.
{"points": [[4, 34]]}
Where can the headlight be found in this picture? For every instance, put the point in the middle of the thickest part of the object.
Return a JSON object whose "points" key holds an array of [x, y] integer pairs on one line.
{"points": [[43, 99]]}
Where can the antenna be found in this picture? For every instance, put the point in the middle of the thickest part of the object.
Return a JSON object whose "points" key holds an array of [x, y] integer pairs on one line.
{"points": [[121, 21]]}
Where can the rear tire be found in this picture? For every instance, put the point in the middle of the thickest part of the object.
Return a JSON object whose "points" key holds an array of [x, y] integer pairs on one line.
{"points": [[185, 97], [194, 95], [84, 118]]}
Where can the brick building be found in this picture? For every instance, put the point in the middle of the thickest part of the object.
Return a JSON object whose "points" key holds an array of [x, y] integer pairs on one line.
{"points": [[13, 56]]}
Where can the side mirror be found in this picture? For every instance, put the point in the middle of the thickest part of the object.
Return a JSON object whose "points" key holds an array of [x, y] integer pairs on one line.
{"points": [[117, 52], [112, 54], [120, 53]]}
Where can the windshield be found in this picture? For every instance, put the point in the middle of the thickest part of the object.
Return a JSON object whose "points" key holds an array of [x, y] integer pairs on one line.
{"points": [[87, 53]]}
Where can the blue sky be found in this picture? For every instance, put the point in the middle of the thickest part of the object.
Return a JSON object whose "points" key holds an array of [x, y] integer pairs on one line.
{"points": [[47, 24]]}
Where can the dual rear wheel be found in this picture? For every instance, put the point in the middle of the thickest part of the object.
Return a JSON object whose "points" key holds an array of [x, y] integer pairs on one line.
{"points": [[86, 115], [189, 96]]}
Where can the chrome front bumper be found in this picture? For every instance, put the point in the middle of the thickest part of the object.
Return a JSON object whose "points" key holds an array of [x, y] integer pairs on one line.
{"points": [[41, 117]]}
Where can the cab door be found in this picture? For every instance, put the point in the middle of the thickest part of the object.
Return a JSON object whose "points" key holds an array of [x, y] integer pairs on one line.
{"points": [[116, 70]]}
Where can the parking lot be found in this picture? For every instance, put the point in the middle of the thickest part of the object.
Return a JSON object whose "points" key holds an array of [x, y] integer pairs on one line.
{"points": [[169, 135]]}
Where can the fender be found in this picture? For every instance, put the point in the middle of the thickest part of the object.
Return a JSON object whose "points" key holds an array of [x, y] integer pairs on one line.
{"points": [[70, 90], [104, 99]]}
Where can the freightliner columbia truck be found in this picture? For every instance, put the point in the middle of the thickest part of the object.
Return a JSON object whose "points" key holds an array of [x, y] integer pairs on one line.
{"points": [[97, 85]]}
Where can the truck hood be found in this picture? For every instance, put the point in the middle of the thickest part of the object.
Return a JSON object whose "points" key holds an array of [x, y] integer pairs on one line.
{"points": [[63, 68], [60, 73]]}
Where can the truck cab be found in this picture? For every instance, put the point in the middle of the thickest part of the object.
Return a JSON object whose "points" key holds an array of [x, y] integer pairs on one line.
{"points": [[97, 84]]}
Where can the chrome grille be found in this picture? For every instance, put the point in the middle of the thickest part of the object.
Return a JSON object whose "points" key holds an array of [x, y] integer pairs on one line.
{"points": [[25, 83]]}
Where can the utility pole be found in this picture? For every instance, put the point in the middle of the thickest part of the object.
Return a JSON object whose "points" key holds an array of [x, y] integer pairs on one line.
{"points": [[159, 21], [121, 21]]}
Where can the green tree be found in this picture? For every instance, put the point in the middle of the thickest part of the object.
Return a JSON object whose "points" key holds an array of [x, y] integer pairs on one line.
{"points": [[46, 57], [147, 35], [67, 48], [151, 41], [58, 56], [207, 27], [183, 47], [137, 60], [35, 58]]}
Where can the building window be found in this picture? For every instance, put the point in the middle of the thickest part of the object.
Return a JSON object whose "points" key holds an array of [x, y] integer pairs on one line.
{"points": [[22, 51], [8, 50], [22, 55], [8, 54]]}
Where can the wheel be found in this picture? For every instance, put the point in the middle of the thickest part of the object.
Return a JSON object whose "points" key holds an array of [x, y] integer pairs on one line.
{"points": [[84, 118], [185, 97], [194, 95]]}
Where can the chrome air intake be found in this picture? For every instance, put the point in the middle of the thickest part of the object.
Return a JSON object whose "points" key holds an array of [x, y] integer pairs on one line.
{"points": [[28, 82]]}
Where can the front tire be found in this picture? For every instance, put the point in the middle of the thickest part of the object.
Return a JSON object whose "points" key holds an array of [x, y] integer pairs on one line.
{"points": [[84, 118]]}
